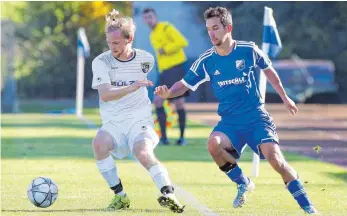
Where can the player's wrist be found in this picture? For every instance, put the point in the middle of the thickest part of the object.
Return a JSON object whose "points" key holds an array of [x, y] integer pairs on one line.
{"points": [[284, 98], [169, 94], [132, 88]]}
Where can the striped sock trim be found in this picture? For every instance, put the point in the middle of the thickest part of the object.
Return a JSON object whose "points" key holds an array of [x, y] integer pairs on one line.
{"points": [[299, 192]]}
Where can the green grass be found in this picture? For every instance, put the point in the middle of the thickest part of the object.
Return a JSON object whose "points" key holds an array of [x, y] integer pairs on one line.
{"points": [[47, 105], [59, 146]]}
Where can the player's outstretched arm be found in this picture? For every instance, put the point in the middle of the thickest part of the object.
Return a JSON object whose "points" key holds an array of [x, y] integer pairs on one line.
{"points": [[275, 81], [107, 92], [176, 90]]}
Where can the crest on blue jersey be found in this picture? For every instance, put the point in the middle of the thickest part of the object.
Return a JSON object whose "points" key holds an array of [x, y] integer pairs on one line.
{"points": [[240, 64]]}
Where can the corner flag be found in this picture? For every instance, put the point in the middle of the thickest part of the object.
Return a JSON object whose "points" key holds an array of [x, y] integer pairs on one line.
{"points": [[271, 46], [82, 42]]}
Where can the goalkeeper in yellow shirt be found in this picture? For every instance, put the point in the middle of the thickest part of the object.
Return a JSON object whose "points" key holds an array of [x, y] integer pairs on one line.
{"points": [[168, 44]]}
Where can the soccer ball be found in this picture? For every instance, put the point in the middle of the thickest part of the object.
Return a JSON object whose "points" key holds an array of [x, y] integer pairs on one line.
{"points": [[42, 192]]}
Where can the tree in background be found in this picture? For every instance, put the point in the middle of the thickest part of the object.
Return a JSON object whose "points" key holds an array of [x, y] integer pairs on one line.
{"points": [[311, 30], [46, 35]]}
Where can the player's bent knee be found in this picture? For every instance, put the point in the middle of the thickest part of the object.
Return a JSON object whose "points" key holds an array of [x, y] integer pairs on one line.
{"points": [[213, 145], [139, 147], [144, 153], [146, 158], [103, 142]]}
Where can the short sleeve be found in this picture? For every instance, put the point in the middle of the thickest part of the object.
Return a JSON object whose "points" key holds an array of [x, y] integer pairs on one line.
{"points": [[196, 75], [100, 73], [147, 62], [260, 58]]}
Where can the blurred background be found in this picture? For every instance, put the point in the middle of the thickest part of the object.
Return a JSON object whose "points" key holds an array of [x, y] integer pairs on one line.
{"points": [[39, 54]]}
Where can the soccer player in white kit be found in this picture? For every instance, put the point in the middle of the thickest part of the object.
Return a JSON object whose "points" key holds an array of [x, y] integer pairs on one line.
{"points": [[119, 75]]}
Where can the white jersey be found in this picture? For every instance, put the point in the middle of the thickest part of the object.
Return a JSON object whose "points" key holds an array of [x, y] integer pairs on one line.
{"points": [[108, 69]]}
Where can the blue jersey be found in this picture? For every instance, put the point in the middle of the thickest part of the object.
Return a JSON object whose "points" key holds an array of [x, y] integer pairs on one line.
{"points": [[232, 77]]}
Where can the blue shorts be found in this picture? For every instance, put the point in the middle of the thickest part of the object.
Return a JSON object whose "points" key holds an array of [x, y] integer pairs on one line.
{"points": [[252, 128]]}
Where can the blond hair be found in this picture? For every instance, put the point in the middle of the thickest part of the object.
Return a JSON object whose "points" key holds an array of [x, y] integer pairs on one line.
{"points": [[125, 24]]}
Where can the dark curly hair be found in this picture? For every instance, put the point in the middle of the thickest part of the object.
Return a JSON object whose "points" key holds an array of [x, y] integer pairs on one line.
{"points": [[221, 12]]}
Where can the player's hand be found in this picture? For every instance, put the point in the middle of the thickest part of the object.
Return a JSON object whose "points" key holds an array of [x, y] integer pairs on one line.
{"points": [[140, 83], [162, 91], [290, 105]]}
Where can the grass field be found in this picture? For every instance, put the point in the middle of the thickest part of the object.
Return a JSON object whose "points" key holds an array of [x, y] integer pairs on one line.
{"points": [[59, 146]]}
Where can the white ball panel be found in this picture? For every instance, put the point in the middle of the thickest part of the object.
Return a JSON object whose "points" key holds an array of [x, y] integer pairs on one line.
{"points": [[43, 188], [52, 182], [35, 189], [39, 197], [38, 181], [45, 204], [54, 188], [31, 197], [47, 179], [54, 198]]}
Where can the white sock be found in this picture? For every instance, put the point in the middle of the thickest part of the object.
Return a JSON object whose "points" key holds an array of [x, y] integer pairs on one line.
{"points": [[108, 170], [122, 193], [160, 176]]}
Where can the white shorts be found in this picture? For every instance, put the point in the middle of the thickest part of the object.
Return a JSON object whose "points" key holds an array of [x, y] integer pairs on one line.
{"points": [[124, 134]]}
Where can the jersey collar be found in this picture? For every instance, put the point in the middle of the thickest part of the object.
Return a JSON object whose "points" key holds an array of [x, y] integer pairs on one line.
{"points": [[128, 59]]}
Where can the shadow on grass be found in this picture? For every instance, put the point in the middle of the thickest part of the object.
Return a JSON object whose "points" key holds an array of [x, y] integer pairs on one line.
{"points": [[46, 105], [341, 175], [74, 146], [69, 146], [73, 125]]}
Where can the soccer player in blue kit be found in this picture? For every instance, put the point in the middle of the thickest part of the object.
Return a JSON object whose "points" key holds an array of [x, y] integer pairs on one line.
{"points": [[230, 65]]}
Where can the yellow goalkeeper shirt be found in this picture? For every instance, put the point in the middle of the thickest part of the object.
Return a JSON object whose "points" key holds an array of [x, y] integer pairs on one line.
{"points": [[165, 36]]}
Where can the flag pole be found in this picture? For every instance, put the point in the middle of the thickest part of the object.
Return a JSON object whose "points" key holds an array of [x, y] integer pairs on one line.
{"points": [[271, 46], [83, 50]]}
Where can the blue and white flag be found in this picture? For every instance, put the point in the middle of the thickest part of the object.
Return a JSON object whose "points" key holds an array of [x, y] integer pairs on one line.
{"points": [[272, 44], [82, 42]]}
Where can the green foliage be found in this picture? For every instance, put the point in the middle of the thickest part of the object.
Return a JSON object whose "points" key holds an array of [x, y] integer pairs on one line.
{"points": [[46, 33], [9, 11], [311, 30], [47, 38]]}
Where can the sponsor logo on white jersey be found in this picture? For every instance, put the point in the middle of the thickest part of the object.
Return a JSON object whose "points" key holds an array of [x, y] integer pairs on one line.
{"points": [[120, 83]]}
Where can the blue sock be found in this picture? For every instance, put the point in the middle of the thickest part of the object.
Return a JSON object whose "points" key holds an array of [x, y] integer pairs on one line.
{"points": [[234, 172], [296, 188]]}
